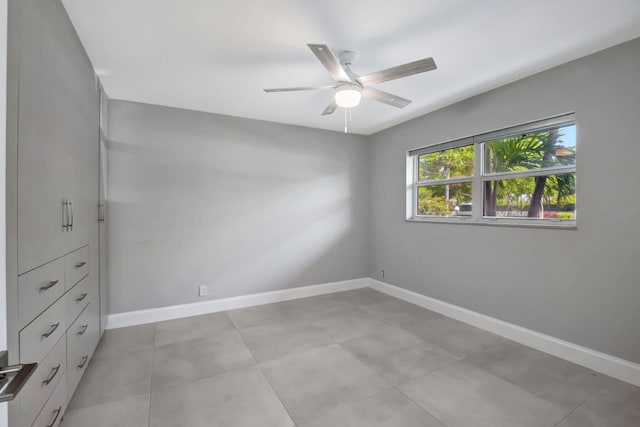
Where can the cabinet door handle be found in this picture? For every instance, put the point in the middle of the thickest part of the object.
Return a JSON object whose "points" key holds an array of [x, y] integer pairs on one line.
{"points": [[80, 264], [53, 374], [81, 297], [65, 215], [100, 212], [51, 330], [49, 285], [84, 361], [71, 215], [83, 329], [57, 412]]}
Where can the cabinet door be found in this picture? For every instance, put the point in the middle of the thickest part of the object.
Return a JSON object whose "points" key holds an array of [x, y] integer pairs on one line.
{"points": [[104, 305], [42, 134], [77, 95], [58, 134]]}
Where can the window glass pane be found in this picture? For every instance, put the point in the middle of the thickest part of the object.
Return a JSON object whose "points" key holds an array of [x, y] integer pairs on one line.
{"points": [[552, 148], [453, 163], [551, 196], [445, 200]]}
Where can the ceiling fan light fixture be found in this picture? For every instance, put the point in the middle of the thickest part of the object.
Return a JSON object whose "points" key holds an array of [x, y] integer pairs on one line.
{"points": [[348, 96]]}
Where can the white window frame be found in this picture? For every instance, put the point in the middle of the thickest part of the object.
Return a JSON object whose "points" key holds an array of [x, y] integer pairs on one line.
{"points": [[480, 176]]}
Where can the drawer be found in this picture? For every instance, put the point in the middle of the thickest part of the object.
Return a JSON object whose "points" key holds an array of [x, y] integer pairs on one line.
{"points": [[43, 381], [76, 266], [38, 289], [51, 414], [77, 298], [82, 338], [37, 339]]}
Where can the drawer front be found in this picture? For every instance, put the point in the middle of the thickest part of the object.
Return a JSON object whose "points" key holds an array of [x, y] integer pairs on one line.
{"points": [[76, 266], [81, 341], [38, 289], [37, 339], [43, 381], [51, 414], [78, 298]]}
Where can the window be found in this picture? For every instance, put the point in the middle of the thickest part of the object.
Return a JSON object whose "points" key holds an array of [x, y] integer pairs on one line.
{"points": [[521, 175]]}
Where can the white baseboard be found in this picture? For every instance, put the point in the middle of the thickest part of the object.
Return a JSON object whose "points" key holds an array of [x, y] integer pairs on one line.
{"points": [[140, 317], [601, 362]]}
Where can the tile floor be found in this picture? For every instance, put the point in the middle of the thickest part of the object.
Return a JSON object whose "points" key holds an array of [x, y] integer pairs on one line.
{"points": [[356, 358]]}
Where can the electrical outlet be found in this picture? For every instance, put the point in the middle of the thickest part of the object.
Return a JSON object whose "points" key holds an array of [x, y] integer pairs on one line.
{"points": [[203, 291], [381, 273]]}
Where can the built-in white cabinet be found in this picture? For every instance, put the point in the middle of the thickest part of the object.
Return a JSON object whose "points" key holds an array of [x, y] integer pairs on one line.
{"points": [[55, 216], [58, 116], [102, 213]]}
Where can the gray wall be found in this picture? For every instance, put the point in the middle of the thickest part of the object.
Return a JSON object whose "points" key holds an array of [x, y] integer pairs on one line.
{"points": [[239, 205], [579, 285], [245, 206]]}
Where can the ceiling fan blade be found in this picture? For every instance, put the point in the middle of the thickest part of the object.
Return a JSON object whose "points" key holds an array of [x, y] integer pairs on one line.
{"points": [[385, 97], [330, 62], [292, 89], [398, 72], [330, 108]]}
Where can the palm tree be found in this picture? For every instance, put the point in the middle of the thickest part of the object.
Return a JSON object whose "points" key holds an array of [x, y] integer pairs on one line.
{"points": [[530, 151]]}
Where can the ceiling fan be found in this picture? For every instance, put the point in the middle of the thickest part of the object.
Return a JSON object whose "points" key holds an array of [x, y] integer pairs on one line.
{"points": [[350, 87]]}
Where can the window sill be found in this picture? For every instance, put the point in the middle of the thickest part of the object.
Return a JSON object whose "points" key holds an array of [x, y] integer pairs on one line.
{"points": [[539, 223]]}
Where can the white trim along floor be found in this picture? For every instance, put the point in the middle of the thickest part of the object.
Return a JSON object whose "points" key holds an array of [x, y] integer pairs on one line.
{"points": [[601, 362]]}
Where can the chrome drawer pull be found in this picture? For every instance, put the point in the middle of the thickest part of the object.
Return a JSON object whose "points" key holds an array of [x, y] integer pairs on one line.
{"points": [[81, 297], [57, 412], [51, 330], [83, 329], [53, 374], [49, 286], [84, 361], [81, 264]]}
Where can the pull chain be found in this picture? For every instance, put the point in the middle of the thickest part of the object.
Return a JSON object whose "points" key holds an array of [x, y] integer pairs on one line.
{"points": [[345, 120]]}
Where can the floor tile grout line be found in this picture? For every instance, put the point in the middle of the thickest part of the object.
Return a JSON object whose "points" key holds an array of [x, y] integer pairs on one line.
{"points": [[153, 355], [464, 359], [405, 329], [352, 401], [419, 405], [569, 413], [263, 374], [467, 359], [583, 402]]}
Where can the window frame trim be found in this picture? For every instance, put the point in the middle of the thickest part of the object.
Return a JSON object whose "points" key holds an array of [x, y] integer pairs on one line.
{"points": [[479, 177]]}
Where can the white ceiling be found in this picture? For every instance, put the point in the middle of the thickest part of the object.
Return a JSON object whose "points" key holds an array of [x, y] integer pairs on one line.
{"points": [[218, 55]]}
